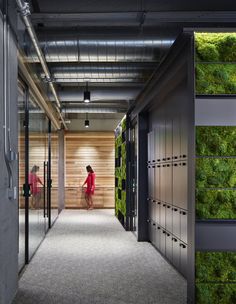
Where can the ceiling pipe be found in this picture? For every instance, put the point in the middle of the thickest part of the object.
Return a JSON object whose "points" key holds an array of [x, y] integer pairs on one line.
{"points": [[25, 12]]}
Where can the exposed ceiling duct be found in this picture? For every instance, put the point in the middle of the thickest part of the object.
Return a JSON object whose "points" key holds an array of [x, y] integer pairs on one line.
{"points": [[128, 49], [24, 10]]}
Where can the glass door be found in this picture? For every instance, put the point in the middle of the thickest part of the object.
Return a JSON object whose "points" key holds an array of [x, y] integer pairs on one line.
{"points": [[37, 176]]}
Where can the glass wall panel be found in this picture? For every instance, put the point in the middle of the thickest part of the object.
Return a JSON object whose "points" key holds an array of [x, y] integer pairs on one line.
{"points": [[38, 162], [21, 158], [54, 175]]}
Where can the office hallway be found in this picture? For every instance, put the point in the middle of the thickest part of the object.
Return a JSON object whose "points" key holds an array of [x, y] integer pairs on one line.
{"points": [[88, 258]]}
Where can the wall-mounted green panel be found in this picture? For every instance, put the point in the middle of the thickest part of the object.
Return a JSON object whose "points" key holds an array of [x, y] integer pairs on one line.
{"points": [[215, 58], [120, 172], [215, 293], [216, 140], [215, 204], [215, 173], [212, 267]]}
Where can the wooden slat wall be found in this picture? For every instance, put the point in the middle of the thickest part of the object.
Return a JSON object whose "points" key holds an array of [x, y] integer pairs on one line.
{"points": [[89, 148]]}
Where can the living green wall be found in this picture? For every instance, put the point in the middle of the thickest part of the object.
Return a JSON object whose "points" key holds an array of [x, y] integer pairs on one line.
{"points": [[215, 277], [215, 56], [120, 172], [216, 172]]}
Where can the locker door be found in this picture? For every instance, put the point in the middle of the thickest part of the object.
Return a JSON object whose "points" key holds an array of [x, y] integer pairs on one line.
{"points": [[183, 225], [158, 212], [163, 242], [176, 252], [176, 222], [162, 182], [183, 185], [183, 259], [151, 230], [163, 215], [176, 184], [168, 137], [168, 183], [169, 253], [157, 144], [183, 136], [169, 215], [157, 182], [158, 237], [162, 143], [176, 137], [153, 216]]}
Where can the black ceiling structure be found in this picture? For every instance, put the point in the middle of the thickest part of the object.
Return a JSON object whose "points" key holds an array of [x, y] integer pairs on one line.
{"points": [[114, 46]]}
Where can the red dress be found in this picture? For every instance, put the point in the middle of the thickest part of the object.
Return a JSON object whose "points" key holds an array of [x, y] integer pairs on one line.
{"points": [[90, 181], [33, 182]]}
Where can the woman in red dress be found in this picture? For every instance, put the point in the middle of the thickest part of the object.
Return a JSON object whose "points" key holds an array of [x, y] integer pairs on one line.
{"points": [[90, 181], [34, 180]]}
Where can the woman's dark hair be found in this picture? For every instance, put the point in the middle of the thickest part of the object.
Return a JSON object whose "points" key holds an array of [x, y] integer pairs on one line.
{"points": [[89, 169]]}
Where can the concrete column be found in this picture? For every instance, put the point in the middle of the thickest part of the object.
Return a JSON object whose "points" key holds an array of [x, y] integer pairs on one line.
{"points": [[61, 170]]}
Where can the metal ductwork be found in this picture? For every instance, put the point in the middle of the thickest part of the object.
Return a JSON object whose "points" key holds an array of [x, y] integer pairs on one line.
{"points": [[130, 49], [25, 12]]}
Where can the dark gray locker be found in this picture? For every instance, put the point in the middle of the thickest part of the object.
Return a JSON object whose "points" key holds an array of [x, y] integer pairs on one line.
{"points": [[168, 136], [158, 212], [157, 144], [183, 136], [169, 250], [163, 242], [176, 252], [183, 259], [149, 148], [183, 185], [162, 142], [152, 181], [169, 216], [162, 182], [183, 226], [157, 182], [176, 222], [176, 183], [150, 234], [149, 181], [168, 183], [176, 138], [153, 216], [163, 215], [158, 237]]}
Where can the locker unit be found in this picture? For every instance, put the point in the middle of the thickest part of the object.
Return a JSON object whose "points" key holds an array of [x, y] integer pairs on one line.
{"points": [[167, 169]]}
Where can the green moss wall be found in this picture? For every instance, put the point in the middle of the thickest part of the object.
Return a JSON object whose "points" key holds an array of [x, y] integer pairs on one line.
{"points": [[215, 277], [215, 172], [215, 63], [120, 172]]}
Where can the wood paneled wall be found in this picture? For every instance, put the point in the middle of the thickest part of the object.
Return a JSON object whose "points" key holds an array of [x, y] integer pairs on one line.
{"points": [[89, 148]]}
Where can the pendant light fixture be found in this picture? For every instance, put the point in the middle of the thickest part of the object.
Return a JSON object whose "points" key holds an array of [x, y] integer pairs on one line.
{"points": [[86, 122], [87, 94]]}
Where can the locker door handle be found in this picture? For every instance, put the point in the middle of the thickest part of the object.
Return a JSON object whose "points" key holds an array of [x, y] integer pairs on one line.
{"points": [[168, 207], [149, 161], [153, 224], [153, 161], [184, 164], [175, 209], [153, 166], [167, 234], [174, 239], [175, 165], [159, 160], [163, 232], [148, 199], [164, 205], [158, 228], [164, 166], [182, 245], [153, 201], [168, 158], [183, 212], [158, 203], [184, 155], [148, 221], [164, 159], [158, 166], [168, 165]]}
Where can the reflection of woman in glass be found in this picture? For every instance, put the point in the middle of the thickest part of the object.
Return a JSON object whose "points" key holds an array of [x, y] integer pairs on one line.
{"points": [[34, 189], [90, 181]]}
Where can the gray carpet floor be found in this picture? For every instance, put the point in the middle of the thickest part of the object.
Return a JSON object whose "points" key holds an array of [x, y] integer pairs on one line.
{"points": [[88, 258]]}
